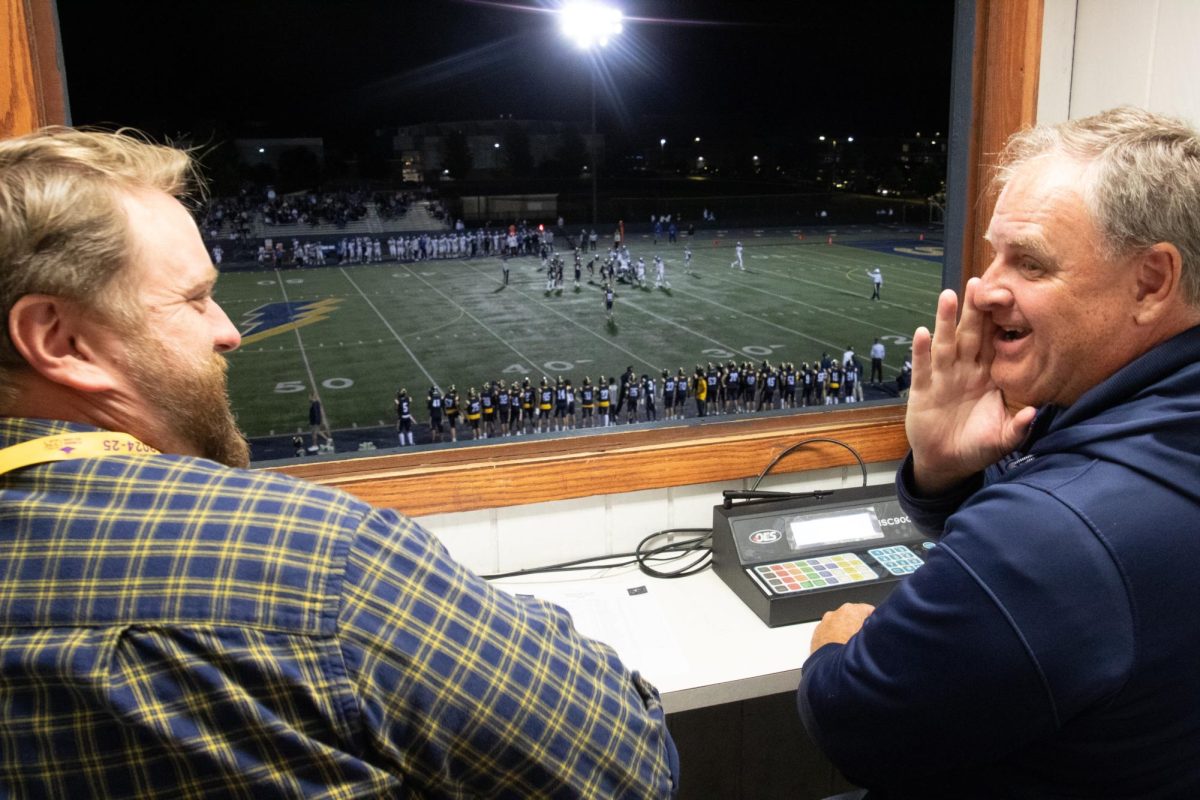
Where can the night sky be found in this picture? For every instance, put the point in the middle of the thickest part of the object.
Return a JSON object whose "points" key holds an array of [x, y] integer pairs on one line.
{"points": [[318, 67]]}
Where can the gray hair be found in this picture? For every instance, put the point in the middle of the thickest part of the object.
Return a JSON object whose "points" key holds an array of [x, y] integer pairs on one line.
{"points": [[1143, 179]]}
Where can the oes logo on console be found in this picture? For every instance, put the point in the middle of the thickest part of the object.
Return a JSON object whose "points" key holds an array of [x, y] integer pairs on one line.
{"points": [[765, 536]]}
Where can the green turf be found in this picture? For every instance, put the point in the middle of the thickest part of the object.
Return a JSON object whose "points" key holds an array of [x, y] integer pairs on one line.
{"points": [[452, 322]]}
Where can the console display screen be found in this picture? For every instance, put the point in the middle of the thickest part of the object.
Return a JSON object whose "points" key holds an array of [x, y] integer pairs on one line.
{"points": [[808, 532]]}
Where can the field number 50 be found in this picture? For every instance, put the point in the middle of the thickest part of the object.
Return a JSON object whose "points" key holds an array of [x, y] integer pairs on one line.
{"points": [[289, 387]]}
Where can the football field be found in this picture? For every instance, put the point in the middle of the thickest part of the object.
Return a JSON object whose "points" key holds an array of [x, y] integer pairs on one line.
{"points": [[354, 334]]}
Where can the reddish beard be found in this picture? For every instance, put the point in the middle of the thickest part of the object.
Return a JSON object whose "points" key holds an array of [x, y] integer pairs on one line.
{"points": [[192, 397]]}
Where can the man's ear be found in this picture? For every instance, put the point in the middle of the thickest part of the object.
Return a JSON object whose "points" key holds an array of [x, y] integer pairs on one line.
{"points": [[61, 343], [1158, 271]]}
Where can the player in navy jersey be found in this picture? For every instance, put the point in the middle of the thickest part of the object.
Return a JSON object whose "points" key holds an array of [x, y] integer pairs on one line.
{"points": [[603, 400], [668, 394], [733, 388], [450, 404], [404, 417], [849, 382], [749, 385], [789, 385], [545, 404], [560, 405], [528, 407], [648, 398], [570, 405], [769, 380], [514, 409], [681, 392], [474, 413], [487, 401], [587, 403], [434, 404], [502, 406]]}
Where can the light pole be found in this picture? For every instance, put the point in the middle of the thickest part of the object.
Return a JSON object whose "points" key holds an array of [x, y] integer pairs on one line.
{"points": [[591, 25]]}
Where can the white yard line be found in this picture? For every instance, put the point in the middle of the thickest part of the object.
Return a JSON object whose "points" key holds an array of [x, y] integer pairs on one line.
{"points": [[312, 381], [392, 330], [536, 368], [823, 310], [584, 328]]}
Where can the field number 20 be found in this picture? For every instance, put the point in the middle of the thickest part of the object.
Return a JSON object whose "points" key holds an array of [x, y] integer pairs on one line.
{"points": [[289, 387]]}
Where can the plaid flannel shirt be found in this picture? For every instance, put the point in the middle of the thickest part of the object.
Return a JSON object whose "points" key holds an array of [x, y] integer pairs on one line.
{"points": [[173, 628]]}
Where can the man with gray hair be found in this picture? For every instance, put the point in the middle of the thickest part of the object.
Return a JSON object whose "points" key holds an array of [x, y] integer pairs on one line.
{"points": [[1048, 647], [174, 625]]}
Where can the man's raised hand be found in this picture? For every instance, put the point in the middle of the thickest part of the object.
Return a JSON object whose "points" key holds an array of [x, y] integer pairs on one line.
{"points": [[957, 422]]}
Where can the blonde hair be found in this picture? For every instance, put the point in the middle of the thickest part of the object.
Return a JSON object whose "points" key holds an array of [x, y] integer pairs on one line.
{"points": [[63, 231], [1142, 179]]}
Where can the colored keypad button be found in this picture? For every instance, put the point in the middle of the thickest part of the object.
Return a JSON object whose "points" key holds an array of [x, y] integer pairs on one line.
{"points": [[802, 575], [898, 559]]}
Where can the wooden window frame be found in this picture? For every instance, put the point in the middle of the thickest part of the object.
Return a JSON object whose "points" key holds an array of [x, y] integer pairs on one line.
{"points": [[1003, 53]]}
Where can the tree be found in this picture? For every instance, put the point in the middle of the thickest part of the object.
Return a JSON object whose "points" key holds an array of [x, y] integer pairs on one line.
{"points": [[456, 155], [298, 169], [929, 180], [518, 158], [572, 154]]}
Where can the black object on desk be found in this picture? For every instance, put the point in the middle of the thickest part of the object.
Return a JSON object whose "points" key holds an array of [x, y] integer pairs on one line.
{"points": [[793, 558]]}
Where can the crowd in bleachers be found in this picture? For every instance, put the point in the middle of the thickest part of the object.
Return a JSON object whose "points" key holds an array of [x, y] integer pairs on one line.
{"points": [[313, 208], [233, 217], [227, 217], [393, 205]]}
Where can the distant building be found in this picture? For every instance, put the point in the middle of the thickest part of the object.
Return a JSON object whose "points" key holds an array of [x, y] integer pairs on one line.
{"points": [[254, 152], [420, 147]]}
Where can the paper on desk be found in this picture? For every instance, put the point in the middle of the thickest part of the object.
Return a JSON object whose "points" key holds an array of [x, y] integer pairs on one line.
{"points": [[633, 624]]}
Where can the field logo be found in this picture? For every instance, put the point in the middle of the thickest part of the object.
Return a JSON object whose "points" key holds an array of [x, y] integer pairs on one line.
{"points": [[274, 318]]}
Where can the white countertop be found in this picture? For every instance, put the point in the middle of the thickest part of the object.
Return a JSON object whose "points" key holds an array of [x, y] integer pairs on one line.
{"points": [[691, 637]]}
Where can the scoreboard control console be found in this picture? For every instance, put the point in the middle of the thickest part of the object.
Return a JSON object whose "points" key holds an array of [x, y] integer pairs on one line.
{"points": [[795, 558]]}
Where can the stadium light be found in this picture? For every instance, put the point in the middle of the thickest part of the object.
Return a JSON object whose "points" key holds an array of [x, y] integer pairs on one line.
{"points": [[589, 24]]}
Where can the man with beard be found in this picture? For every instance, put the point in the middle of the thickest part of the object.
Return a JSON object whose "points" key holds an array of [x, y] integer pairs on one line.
{"points": [[176, 625], [1048, 643]]}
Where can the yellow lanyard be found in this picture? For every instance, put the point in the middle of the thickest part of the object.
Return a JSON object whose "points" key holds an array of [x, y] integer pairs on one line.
{"points": [[65, 446]]}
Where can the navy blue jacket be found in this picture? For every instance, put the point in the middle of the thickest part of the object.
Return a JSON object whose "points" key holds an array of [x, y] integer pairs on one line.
{"points": [[1050, 646]]}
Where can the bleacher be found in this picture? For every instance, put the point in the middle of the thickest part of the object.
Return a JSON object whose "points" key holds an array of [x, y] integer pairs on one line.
{"points": [[417, 220]]}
